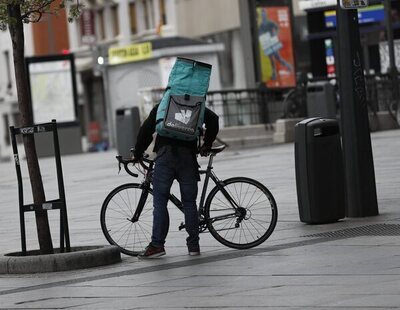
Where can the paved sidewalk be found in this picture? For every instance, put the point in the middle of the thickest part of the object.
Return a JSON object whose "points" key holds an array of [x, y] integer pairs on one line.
{"points": [[299, 267]]}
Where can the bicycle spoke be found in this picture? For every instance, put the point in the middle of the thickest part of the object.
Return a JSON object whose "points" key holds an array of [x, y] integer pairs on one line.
{"points": [[122, 234], [124, 215], [129, 201], [127, 205], [254, 192], [122, 209], [255, 228], [129, 233]]}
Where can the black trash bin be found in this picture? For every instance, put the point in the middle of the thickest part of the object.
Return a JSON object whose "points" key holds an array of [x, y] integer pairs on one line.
{"points": [[321, 99], [319, 171], [127, 128]]}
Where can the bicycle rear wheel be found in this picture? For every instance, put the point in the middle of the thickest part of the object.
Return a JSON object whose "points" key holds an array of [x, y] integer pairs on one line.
{"points": [[116, 214], [248, 225]]}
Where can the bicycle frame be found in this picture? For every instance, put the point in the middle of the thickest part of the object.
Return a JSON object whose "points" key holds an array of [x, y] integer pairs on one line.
{"points": [[209, 174]]}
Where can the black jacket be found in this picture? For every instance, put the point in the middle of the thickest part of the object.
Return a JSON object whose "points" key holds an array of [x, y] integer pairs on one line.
{"points": [[145, 135]]}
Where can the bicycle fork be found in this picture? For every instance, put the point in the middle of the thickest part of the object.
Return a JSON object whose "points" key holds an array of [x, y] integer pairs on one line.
{"points": [[142, 201]]}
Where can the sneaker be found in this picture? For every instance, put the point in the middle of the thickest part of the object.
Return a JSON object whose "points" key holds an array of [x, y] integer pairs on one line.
{"points": [[152, 251], [194, 250]]}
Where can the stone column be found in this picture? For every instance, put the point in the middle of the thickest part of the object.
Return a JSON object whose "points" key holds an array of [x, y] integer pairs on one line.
{"points": [[124, 22]]}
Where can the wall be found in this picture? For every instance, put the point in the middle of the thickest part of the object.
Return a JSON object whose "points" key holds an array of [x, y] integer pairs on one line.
{"points": [[8, 96], [196, 18], [50, 35]]}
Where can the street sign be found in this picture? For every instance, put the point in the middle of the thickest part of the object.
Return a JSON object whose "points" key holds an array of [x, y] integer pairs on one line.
{"points": [[134, 52], [353, 4]]}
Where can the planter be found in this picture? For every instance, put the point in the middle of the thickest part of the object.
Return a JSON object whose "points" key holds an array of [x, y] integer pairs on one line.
{"points": [[78, 258]]}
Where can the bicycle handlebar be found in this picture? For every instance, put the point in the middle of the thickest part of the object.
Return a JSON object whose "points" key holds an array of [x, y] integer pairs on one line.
{"points": [[147, 163], [125, 162], [143, 162]]}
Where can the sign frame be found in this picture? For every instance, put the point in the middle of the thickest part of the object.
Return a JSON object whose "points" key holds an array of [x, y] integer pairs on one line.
{"points": [[74, 94]]}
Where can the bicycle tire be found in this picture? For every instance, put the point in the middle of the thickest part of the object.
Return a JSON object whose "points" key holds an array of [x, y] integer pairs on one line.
{"points": [[118, 207], [224, 229]]}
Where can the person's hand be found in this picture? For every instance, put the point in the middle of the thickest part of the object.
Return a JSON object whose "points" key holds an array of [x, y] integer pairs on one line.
{"points": [[204, 150], [135, 160]]}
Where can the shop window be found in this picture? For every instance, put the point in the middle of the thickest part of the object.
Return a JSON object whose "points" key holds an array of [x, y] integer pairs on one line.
{"points": [[102, 32], [115, 21], [163, 15], [7, 62], [132, 13]]}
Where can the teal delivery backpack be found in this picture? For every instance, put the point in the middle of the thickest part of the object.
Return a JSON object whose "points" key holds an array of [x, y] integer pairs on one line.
{"points": [[180, 114]]}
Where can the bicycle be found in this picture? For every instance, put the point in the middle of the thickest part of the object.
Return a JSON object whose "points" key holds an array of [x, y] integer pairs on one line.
{"points": [[295, 101], [239, 212]]}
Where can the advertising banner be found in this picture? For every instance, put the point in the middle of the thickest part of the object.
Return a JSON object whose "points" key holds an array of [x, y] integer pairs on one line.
{"points": [[276, 47]]}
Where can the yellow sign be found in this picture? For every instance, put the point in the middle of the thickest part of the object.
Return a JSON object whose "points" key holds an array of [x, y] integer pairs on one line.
{"points": [[135, 52]]}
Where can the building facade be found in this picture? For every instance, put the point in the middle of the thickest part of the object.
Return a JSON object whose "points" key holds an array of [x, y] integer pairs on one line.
{"points": [[105, 23]]}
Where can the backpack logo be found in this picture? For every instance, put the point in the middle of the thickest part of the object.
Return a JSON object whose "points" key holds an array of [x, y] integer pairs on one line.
{"points": [[184, 116]]}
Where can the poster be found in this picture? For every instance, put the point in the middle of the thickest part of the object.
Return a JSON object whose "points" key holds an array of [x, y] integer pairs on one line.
{"points": [[276, 47]]}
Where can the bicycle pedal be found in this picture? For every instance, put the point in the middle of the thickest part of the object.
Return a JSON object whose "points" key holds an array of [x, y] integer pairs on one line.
{"points": [[182, 226]]}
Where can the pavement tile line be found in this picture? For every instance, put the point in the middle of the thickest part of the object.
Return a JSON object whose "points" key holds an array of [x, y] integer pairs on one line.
{"points": [[178, 264]]}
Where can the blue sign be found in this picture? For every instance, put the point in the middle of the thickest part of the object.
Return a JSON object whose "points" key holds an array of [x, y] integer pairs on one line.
{"points": [[371, 14]]}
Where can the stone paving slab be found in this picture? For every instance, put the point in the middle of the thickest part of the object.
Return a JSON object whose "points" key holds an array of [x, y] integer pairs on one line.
{"points": [[288, 271]]}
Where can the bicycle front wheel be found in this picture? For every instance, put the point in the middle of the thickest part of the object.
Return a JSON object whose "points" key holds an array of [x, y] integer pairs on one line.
{"points": [[242, 214], [116, 215]]}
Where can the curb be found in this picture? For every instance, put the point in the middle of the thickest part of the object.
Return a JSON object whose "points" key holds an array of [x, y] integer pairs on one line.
{"points": [[78, 258]]}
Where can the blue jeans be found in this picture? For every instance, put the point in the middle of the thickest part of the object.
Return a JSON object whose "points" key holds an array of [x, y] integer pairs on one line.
{"points": [[175, 163]]}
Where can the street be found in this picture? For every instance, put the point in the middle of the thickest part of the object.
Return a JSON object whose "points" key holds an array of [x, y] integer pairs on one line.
{"points": [[300, 266]]}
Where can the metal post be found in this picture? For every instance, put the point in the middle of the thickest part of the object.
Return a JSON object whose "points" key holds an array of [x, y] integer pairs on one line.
{"points": [[20, 190], [359, 166], [392, 60], [64, 231], [249, 42], [110, 115]]}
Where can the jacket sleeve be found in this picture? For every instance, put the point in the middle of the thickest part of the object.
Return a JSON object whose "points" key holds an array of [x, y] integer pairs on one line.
{"points": [[211, 121], [145, 135]]}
